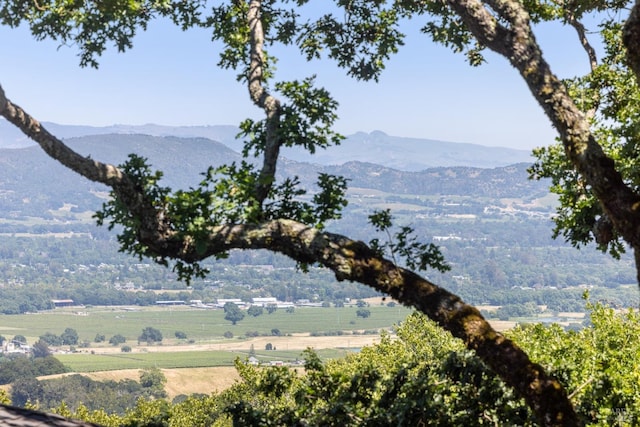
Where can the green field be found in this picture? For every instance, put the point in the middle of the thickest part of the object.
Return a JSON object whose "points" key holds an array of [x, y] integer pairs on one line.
{"points": [[199, 325], [83, 362]]}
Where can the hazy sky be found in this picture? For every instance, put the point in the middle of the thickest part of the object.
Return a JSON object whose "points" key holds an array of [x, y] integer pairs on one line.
{"points": [[171, 78]]}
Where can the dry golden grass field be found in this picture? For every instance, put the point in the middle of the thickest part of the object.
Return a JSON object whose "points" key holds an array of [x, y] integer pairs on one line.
{"points": [[181, 381]]}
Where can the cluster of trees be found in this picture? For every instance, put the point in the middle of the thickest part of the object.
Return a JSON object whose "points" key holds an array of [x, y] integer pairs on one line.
{"points": [[68, 337], [488, 274], [18, 367], [490, 266], [76, 391]]}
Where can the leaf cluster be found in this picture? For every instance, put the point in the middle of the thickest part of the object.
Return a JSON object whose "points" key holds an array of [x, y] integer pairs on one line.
{"points": [[306, 120], [404, 244], [92, 26]]}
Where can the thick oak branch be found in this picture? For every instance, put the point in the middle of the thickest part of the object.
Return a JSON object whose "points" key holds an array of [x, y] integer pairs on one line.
{"points": [[154, 225], [631, 39], [263, 99], [620, 203]]}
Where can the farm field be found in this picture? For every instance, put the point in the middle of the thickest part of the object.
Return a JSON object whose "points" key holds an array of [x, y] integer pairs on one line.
{"points": [[190, 369], [186, 357], [202, 363], [200, 326], [181, 381]]}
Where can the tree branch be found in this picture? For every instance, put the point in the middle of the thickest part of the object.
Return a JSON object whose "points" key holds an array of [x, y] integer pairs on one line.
{"points": [[631, 39], [620, 203], [263, 99], [153, 223], [90, 169], [590, 51], [584, 41]]}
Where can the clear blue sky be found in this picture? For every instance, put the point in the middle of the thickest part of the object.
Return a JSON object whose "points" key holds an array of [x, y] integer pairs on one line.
{"points": [[170, 77]]}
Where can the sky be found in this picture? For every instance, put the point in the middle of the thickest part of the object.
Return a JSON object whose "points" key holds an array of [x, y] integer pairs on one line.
{"points": [[170, 77]]}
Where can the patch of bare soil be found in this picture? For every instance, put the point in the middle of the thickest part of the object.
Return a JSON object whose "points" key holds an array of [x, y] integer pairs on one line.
{"points": [[502, 325], [294, 342]]}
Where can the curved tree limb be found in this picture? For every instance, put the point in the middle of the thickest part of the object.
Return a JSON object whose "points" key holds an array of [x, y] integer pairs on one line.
{"points": [[263, 99], [631, 39], [355, 261], [154, 224], [620, 203]]}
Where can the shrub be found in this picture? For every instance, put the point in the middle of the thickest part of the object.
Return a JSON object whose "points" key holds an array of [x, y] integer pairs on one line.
{"points": [[255, 311], [363, 312], [117, 339], [150, 335]]}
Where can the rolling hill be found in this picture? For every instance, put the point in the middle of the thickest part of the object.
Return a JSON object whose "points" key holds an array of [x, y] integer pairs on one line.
{"points": [[410, 154]]}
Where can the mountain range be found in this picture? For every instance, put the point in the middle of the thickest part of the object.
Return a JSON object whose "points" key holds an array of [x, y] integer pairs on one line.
{"points": [[408, 154], [32, 184]]}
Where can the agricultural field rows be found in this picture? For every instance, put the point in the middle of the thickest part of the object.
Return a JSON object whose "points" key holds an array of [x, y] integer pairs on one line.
{"points": [[200, 326]]}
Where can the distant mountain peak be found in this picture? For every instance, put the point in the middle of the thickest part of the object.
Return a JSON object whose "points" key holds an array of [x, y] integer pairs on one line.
{"points": [[410, 154], [378, 134]]}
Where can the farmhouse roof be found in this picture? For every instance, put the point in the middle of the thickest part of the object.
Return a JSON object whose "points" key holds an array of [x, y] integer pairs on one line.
{"points": [[11, 416]]}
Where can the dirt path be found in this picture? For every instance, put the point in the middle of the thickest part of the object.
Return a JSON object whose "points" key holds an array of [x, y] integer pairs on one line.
{"points": [[294, 342]]}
